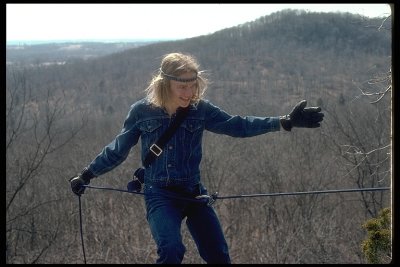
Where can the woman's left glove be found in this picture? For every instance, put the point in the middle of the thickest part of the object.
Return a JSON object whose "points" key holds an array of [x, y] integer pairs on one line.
{"points": [[135, 185], [300, 116], [80, 180]]}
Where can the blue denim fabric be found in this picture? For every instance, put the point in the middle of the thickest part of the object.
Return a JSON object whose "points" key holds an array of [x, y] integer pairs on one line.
{"points": [[177, 172], [179, 164], [165, 214]]}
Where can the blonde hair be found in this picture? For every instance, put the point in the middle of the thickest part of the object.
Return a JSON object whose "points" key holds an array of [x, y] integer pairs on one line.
{"points": [[174, 64]]}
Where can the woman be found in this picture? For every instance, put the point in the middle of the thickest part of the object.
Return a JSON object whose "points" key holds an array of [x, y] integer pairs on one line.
{"points": [[173, 178]]}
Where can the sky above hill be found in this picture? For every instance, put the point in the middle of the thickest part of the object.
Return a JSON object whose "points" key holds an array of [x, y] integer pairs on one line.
{"points": [[148, 21]]}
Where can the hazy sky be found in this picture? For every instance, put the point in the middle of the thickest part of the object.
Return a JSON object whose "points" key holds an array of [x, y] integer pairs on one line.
{"points": [[147, 21]]}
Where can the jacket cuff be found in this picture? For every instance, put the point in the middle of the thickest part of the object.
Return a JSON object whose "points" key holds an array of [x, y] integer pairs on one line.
{"points": [[86, 175], [286, 123]]}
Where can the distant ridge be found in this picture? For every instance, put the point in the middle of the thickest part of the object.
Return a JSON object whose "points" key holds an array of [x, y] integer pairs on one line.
{"points": [[39, 42]]}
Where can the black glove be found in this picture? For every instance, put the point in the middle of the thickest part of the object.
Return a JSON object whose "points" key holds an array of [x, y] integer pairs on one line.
{"points": [[80, 180], [301, 116]]}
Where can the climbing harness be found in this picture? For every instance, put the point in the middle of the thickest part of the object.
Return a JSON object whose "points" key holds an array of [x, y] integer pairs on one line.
{"points": [[209, 200]]}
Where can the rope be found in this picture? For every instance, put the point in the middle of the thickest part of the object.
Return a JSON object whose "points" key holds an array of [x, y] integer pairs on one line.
{"points": [[211, 199], [307, 192], [215, 195], [141, 193], [112, 189], [80, 224]]}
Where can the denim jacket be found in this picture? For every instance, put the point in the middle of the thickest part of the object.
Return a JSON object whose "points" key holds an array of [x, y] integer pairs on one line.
{"points": [[179, 163]]}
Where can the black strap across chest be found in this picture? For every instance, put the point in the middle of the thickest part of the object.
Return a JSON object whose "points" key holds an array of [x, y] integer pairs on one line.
{"points": [[157, 148]]}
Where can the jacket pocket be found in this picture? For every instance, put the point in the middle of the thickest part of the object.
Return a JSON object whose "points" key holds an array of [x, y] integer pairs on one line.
{"points": [[192, 125], [150, 130], [149, 126], [190, 141]]}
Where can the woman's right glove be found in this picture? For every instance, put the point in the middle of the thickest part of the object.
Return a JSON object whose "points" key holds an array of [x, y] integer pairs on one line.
{"points": [[300, 116], [80, 180]]}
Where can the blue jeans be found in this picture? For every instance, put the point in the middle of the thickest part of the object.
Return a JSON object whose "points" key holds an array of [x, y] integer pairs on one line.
{"points": [[165, 215]]}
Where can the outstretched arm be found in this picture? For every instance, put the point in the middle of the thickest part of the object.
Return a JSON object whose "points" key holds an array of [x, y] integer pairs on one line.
{"points": [[219, 121]]}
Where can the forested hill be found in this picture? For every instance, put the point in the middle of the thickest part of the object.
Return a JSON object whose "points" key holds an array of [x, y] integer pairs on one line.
{"points": [[282, 55]]}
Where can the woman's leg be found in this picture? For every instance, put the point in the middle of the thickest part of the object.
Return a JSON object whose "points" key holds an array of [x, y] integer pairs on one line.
{"points": [[207, 233], [165, 219]]}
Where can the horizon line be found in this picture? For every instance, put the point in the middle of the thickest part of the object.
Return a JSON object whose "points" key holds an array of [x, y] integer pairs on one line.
{"points": [[94, 40]]}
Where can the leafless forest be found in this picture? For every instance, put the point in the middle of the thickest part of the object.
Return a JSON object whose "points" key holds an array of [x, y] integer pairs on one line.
{"points": [[59, 117]]}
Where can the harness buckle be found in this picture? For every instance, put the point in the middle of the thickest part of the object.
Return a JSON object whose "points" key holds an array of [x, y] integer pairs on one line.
{"points": [[156, 149], [210, 199]]}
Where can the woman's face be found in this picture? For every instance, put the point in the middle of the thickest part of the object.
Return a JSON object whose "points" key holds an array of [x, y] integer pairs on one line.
{"points": [[181, 93]]}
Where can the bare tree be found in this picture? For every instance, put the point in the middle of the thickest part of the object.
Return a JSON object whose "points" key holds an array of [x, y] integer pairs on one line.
{"points": [[35, 129], [378, 86]]}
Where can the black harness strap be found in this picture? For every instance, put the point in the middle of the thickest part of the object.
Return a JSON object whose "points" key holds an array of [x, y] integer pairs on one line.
{"points": [[157, 148]]}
